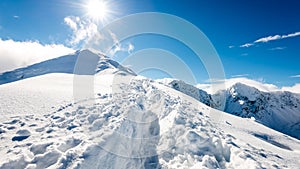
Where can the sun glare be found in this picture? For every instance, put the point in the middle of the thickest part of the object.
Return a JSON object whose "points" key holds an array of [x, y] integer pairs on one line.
{"points": [[97, 9]]}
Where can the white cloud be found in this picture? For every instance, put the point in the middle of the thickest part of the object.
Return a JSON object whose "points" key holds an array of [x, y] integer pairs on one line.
{"points": [[231, 46], [212, 86], [82, 30], [130, 48], [205, 87], [293, 89], [267, 39], [278, 48], [85, 34], [15, 54], [217, 85], [119, 47], [291, 35], [240, 75], [295, 76], [271, 38], [246, 45], [71, 23]]}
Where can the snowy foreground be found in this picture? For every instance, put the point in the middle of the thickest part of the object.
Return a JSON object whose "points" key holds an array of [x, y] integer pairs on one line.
{"points": [[135, 123]]}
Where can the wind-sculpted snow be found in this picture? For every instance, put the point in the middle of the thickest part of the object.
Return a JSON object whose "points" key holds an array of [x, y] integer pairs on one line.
{"points": [[129, 122]]}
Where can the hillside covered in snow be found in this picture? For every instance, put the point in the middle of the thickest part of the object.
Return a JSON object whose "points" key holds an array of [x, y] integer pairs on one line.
{"points": [[279, 110], [129, 122], [66, 64]]}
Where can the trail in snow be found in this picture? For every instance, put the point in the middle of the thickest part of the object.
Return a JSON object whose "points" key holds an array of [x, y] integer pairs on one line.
{"points": [[128, 122], [144, 125]]}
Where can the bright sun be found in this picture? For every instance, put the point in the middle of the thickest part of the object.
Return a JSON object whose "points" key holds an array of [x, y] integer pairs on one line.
{"points": [[97, 9]]}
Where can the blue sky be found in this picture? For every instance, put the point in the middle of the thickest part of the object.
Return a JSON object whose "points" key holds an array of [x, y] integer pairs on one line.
{"points": [[228, 24]]}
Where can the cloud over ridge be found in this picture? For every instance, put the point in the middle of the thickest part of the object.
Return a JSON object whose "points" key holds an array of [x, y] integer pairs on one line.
{"points": [[17, 54]]}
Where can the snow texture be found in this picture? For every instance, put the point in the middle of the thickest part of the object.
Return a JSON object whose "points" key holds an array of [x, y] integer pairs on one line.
{"points": [[139, 124], [278, 110]]}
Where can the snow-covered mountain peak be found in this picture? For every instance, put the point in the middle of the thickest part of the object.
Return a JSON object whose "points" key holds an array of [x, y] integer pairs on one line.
{"points": [[276, 109], [239, 82], [82, 62], [143, 124], [242, 89], [189, 90], [91, 53], [225, 84], [90, 63]]}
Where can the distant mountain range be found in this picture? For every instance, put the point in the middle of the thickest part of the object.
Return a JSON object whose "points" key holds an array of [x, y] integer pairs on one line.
{"points": [[278, 110]]}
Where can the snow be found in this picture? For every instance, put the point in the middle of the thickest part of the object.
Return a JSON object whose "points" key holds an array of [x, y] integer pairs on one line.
{"points": [[131, 122], [80, 63], [189, 90], [241, 102], [276, 109]]}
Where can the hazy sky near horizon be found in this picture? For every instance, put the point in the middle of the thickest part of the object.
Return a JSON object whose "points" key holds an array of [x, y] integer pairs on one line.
{"points": [[255, 39]]}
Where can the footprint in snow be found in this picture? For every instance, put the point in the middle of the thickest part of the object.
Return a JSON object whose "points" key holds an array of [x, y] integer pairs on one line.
{"points": [[2, 131], [41, 129], [32, 125], [12, 122], [39, 148], [70, 143], [21, 135], [11, 127]]}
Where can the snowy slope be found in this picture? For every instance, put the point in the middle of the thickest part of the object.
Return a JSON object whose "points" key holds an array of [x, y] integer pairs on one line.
{"points": [[276, 109], [131, 122], [189, 90], [90, 63]]}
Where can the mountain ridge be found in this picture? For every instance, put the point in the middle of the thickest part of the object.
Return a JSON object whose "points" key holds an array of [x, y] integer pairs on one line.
{"points": [[132, 123], [82, 62], [279, 110]]}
